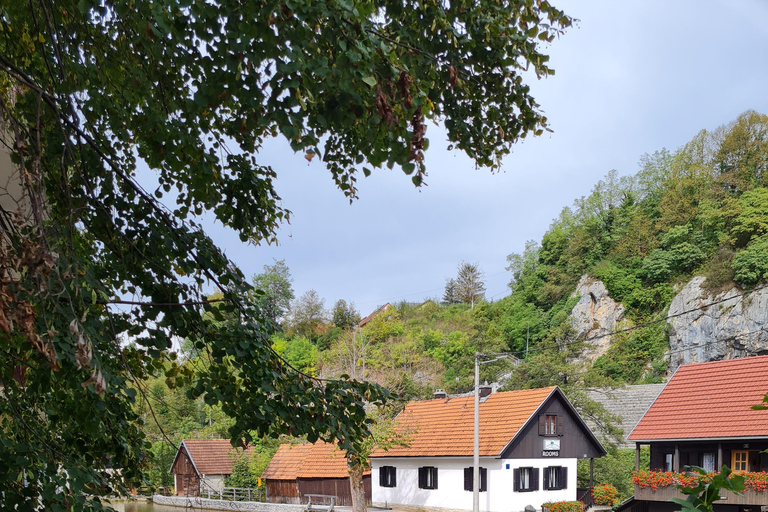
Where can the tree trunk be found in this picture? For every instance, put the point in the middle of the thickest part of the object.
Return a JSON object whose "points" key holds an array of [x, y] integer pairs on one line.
{"points": [[356, 486]]}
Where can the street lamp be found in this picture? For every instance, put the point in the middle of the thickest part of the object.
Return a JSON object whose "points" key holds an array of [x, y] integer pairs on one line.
{"points": [[476, 461]]}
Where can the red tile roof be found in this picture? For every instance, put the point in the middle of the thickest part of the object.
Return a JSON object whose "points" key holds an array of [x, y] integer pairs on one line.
{"points": [[211, 456], [445, 427], [319, 460], [380, 309], [709, 401]]}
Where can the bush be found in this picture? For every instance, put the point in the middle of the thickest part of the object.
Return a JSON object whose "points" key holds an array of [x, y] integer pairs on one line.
{"points": [[605, 494], [719, 271], [657, 266], [750, 266], [563, 506]]}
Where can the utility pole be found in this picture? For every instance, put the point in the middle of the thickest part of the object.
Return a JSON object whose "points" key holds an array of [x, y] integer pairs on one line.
{"points": [[476, 461]]}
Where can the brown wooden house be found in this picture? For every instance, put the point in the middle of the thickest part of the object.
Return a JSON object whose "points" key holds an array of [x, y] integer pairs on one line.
{"points": [[320, 468], [202, 463]]}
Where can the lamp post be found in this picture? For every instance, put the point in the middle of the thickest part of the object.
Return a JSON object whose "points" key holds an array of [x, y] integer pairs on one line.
{"points": [[476, 461]]}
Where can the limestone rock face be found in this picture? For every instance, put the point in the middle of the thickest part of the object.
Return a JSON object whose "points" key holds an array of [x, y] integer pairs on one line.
{"points": [[595, 314], [735, 327]]}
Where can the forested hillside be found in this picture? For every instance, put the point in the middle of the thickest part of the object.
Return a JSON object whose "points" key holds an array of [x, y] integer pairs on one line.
{"points": [[699, 210]]}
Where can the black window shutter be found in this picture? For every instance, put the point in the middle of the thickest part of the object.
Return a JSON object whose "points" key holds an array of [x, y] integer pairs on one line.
{"points": [[394, 476], [563, 477], [560, 428], [383, 476], [468, 479], [517, 479], [546, 479], [542, 422], [422, 478], [483, 479], [535, 479], [434, 480]]}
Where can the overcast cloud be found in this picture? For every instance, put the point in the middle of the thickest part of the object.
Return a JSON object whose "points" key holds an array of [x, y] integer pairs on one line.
{"points": [[631, 78]]}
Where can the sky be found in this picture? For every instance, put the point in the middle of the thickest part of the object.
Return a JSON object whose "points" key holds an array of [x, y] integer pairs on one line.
{"points": [[632, 77]]}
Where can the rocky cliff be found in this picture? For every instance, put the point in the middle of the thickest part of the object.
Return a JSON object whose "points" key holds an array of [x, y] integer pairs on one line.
{"points": [[596, 314], [735, 325]]}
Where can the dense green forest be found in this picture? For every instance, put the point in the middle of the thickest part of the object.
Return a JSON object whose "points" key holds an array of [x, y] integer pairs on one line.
{"points": [[699, 210]]}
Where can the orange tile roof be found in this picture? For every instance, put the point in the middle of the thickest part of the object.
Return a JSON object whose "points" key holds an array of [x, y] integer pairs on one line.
{"points": [[709, 400], [319, 460], [445, 427], [211, 456], [286, 463]]}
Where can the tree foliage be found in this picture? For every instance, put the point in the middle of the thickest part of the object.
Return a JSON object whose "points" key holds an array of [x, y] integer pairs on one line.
{"points": [[89, 90], [470, 283], [344, 315], [307, 314], [273, 290]]}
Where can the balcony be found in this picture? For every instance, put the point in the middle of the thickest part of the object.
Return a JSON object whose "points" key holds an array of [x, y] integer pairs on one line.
{"points": [[748, 497], [660, 486]]}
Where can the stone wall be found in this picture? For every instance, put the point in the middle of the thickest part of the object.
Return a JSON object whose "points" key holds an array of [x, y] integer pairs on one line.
{"points": [[198, 503]]}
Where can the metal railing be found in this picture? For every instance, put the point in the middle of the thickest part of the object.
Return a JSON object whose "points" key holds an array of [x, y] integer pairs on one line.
{"points": [[584, 495], [235, 494]]}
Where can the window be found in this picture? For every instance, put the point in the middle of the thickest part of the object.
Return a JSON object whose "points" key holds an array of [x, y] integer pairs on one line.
{"points": [[387, 476], [427, 477], [555, 478], [548, 425], [708, 462], [526, 479], [469, 482], [739, 460], [667, 462]]}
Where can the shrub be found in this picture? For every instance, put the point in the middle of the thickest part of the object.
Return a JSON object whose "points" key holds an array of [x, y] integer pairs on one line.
{"points": [[750, 266], [719, 271], [563, 506], [657, 266], [605, 494]]}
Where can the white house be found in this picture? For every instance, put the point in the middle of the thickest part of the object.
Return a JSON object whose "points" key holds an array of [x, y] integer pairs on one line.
{"points": [[530, 441]]}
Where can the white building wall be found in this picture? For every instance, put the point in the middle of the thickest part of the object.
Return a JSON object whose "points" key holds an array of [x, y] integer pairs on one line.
{"points": [[450, 493]]}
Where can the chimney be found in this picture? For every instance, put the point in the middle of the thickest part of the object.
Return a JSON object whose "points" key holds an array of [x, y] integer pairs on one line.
{"points": [[485, 389], [440, 393]]}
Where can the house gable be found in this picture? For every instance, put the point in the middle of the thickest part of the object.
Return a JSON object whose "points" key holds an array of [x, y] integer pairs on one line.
{"points": [[183, 463], [575, 439], [206, 456]]}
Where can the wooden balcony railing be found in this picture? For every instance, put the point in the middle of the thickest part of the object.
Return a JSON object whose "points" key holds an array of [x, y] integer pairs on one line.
{"points": [[748, 497]]}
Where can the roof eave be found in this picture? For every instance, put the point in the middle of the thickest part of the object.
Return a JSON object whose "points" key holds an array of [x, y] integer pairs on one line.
{"points": [[699, 439], [178, 452]]}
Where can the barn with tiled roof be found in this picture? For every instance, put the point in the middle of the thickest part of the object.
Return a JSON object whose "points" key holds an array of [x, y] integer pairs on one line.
{"points": [[301, 469], [202, 463]]}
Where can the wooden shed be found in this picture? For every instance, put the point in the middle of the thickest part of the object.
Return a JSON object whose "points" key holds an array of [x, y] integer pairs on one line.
{"points": [[202, 463], [320, 468]]}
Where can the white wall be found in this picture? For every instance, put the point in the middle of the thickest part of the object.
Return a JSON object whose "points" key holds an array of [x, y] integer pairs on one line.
{"points": [[450, 493]]}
